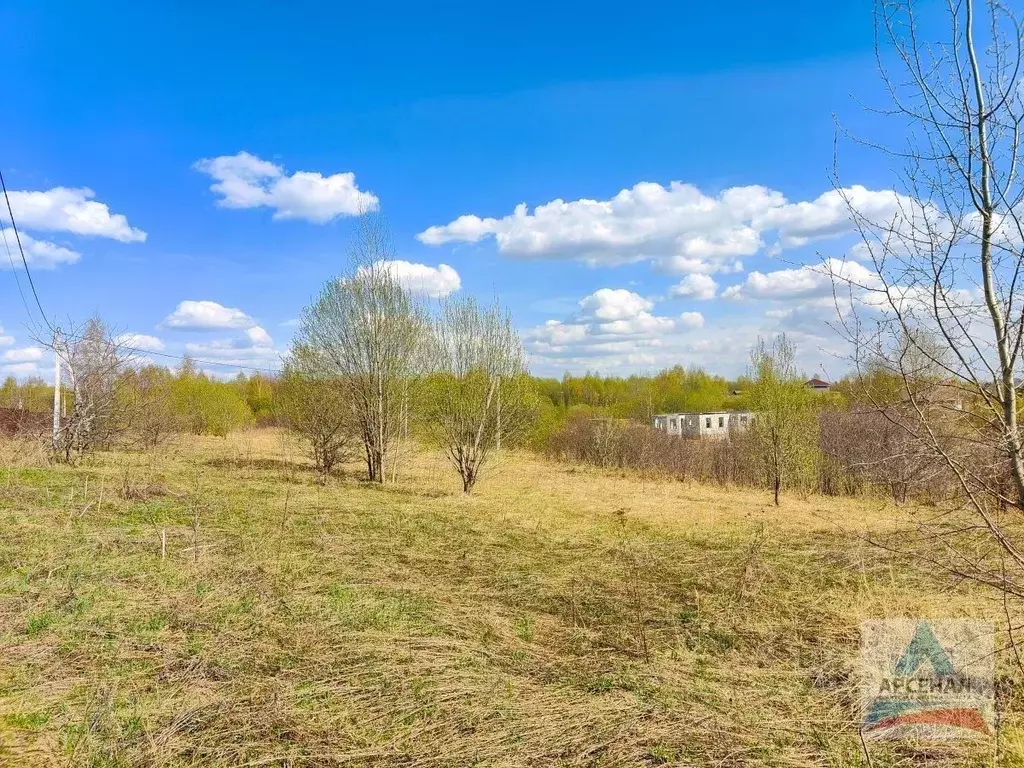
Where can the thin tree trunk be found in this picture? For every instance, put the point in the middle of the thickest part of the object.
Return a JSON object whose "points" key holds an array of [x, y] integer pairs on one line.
{"points": [[381, 469], [1008, 395]]}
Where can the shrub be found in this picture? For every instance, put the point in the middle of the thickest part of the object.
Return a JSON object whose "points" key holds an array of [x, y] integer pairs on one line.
{"points": [[314, 408], [627, 445], [208, 407]]}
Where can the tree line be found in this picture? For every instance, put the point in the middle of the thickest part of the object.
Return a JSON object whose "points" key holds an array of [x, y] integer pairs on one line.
{"points": [[373, 368]]}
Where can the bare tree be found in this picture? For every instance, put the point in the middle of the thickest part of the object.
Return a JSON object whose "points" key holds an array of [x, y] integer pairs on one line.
{"points": [[480, 396], [785, 426], [95, 362], [368, 333], [315, 408], [942, 310]]}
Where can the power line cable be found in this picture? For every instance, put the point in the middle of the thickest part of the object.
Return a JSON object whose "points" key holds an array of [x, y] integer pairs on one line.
{"points": [[21, 250], [14, 270], [200, 361], [39, 304], [71, 337]]}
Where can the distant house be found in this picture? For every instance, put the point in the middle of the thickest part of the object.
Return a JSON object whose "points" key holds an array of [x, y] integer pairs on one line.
{"points": [[819, 385], [714, 424]]}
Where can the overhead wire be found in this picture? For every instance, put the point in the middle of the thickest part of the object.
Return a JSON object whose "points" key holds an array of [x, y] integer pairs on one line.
{"points": [[14, 271], [200, 361], [24, 260], [55, 331]]}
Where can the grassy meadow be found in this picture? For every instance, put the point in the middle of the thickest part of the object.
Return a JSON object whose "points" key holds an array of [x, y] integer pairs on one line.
{"points": [[211, 604]]}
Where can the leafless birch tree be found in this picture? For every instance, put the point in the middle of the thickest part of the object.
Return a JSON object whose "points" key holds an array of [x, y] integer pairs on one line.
{"points": [[101, 409], [368, 333]]}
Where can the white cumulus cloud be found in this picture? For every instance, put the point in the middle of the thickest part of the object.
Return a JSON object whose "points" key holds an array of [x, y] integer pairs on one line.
{"points": [[246, 181], [423, 279], [678, 228], [258, 337], [647, 342], [807, 282], [691, 320], [695, 286], [829, 214], [613, 327], [71, 210], [21, 369], [40, 254], [253, 347], [23, 355], [615, 304], [140, 341], [205, 316], [238, 351]]}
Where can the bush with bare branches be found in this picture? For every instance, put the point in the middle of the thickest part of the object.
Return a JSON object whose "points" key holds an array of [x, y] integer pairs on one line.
{"points": [[479, 394], [314, 407], [101, 411]]}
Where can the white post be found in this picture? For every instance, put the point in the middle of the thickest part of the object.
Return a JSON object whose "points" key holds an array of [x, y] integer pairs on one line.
{"points": [[56, 390], [499, 414]]}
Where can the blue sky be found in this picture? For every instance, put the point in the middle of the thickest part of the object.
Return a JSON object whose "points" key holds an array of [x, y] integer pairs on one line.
{"points": [[436, 112]]}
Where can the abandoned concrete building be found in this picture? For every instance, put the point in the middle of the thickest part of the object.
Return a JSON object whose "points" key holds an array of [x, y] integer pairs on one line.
{"points": [[716, 424]]}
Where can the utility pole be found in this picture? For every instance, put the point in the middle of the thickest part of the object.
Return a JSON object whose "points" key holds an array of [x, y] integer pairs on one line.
{"points": [[56, 389]]}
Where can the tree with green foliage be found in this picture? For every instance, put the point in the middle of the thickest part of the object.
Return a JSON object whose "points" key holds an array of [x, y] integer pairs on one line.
{"points": [[481, 394], [258, 392], [785, 415], [32, 394], [206, 406], [637, 397]]}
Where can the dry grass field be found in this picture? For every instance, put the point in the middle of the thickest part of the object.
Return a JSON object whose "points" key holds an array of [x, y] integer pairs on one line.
{"points": [[559, 616]]}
